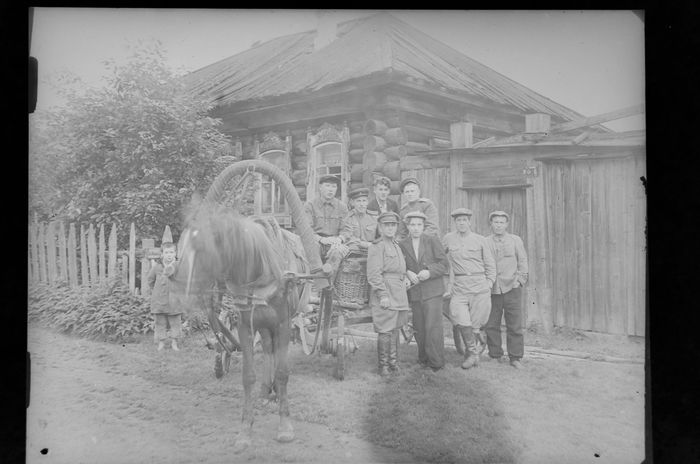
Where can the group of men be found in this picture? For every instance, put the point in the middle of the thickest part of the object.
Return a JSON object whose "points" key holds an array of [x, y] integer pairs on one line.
{"points": [[473, 280]]}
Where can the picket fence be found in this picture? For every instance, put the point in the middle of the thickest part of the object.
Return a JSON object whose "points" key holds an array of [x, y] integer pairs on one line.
{"points": [[88, 259]]}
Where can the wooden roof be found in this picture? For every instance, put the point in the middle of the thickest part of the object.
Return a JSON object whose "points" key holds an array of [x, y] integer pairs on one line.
{"points": [[379, 43]]}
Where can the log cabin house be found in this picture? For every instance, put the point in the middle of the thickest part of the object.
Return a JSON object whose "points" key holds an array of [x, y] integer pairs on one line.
{"points": [[376, 96]]}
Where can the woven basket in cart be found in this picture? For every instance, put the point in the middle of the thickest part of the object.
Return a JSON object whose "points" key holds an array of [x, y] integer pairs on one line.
{"points": [[351, 282]]}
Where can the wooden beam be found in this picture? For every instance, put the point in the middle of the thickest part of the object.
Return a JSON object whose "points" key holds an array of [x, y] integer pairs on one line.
{"points": [[601, 118], [484, 142], [580, 138]]}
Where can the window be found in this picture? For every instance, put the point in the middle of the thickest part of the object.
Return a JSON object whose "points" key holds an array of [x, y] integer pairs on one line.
{"points": [[328, 150], [269, 199]]}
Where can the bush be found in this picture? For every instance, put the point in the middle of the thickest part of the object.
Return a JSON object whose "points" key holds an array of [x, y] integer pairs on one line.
{"points": [[105, 312]]}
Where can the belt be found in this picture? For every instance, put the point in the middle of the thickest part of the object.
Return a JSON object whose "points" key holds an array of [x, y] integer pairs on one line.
{"points": [[469, 274], [393, 274]]}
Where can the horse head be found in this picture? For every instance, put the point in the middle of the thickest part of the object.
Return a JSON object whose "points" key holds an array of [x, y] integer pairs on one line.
{"points": [[221, 247]]}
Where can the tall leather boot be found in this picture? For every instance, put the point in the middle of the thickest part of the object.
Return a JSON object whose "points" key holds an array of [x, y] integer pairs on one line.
{"points": [[471, 358], [457, 337], [394, 352], [383, 344]]}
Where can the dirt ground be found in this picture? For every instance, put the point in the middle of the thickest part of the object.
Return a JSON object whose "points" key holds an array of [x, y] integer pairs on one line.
{"points": [[94, 402]]}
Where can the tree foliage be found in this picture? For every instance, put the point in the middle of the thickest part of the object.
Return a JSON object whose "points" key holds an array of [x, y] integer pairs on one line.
{"points": [[133, 151]]}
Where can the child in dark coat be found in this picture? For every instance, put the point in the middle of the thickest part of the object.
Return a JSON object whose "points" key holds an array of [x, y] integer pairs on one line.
{"points": [[165, 314]]}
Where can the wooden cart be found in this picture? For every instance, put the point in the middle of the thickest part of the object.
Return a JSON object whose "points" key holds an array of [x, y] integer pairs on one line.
{"points": [[341, 305]]}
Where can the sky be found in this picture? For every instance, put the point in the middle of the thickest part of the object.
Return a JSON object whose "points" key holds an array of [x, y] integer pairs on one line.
{"points": [[590, 61]]}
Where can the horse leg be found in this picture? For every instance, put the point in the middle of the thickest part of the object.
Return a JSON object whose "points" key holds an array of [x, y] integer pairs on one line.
{"points": [[285, 431], [243, 440], [266, 387]]}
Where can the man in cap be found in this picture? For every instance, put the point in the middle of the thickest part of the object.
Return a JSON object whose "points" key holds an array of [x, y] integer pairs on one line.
{"points": [[381, 203], [325, 214], [359, 228], [506, 294], [410, 188], [388, 302], [472, 274], [426, 264]]}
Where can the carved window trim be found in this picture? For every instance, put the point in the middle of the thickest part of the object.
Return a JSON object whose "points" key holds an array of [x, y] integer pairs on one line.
{"points": [[273, 145], [325, 136]]}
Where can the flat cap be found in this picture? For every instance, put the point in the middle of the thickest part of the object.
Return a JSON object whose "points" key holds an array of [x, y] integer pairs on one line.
{"points": [[461, 212], [359, 192], [414, 214], [388, 217], [382, 180], [408, 180], [328, 178], [499, 213]]}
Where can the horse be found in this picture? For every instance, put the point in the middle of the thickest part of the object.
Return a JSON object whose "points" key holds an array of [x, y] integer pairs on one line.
{"points": [[221, 249]]}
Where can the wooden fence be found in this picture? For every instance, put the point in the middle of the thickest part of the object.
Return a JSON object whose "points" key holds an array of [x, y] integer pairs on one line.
{"points": [[85, 257]]}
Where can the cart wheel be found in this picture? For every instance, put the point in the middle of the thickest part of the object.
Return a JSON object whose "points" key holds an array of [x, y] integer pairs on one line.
{"points": [[304, 334], [340, 349], [218, 366]]}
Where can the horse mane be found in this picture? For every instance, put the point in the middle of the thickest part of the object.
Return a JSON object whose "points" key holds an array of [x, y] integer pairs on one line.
{"points": [[244, 256]]}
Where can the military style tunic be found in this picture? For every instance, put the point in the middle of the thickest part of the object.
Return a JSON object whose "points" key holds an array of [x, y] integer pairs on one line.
{"points": [[426, 207], [325, 216], [386, 274], [472, 273], [358, 227]]}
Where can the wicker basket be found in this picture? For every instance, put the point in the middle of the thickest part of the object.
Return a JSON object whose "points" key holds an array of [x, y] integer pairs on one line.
{"points": [[351, 283]]}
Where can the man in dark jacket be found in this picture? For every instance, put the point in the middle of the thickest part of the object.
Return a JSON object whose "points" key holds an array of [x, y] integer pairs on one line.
{"points": [[381, 203], [426, 263]]}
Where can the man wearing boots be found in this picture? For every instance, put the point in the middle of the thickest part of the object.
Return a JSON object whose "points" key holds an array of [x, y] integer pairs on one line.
{"points": [[506, 295], [388, 302], [472, 274], [426, 263]]}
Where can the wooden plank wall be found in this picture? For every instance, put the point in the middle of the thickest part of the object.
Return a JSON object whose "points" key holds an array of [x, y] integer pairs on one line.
{"points": [[596, 214], [484, 201]]}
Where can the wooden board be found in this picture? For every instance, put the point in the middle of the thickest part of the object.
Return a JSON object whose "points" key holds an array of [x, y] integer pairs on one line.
{"points": [[495, 173]]}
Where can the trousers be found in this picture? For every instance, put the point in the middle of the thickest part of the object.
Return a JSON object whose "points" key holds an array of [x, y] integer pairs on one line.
{"points": [[165, 321], [508, 305], [427, 323]]}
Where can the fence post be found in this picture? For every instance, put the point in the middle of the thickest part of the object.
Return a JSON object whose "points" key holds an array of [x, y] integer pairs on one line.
{"points": [[132, 258], [84, 274], [92, 255], [51, 251], [146, 244], [112, 262], [101, 254], [167, 235], [72, 259], [63, 252]]}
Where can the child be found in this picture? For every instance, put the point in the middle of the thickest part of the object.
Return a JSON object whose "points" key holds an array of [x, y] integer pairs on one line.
{"points": [[165, 314]]}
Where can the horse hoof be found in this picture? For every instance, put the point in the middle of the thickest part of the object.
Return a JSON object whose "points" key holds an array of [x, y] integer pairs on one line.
{"points": [[241, 444], [285, 431], [286, 436]]}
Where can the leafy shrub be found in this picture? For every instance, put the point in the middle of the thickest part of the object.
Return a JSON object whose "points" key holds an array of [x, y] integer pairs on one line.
{"points": [[105, 312]]}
